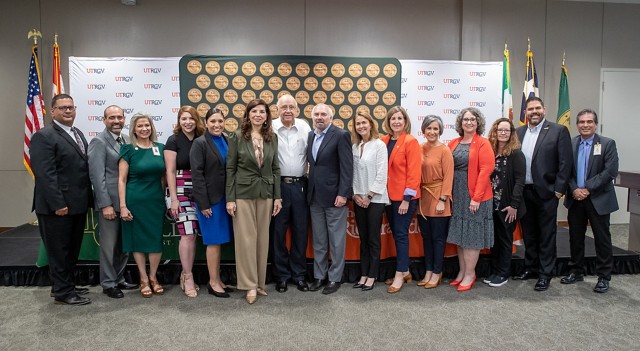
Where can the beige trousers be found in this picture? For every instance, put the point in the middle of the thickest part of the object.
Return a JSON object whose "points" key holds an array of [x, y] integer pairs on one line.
{"points": [[251, 237]]}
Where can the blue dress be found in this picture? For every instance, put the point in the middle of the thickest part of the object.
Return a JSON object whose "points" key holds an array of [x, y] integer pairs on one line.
{"points": [[216, 230]]}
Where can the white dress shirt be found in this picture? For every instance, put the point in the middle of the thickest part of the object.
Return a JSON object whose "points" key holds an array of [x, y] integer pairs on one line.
{"points": [[370, 170], [528, 146], [292, 147]]}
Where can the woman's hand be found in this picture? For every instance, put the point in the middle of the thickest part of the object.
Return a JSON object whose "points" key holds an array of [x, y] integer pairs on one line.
{"points": [[125, 214], [358, 200], [231, 208], [440, 207], [473, 206], [277, 206], [512, 213], [403, 208], [175, 204], [206, 213]]}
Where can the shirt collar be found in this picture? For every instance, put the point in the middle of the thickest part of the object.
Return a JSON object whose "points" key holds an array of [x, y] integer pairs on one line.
{"points": [[536, 128], [589, 140], [323, 132], [65, 128]]}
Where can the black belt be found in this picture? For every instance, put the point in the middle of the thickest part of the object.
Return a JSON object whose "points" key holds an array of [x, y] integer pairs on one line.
{"points": [[530, 187], [289, 180]]}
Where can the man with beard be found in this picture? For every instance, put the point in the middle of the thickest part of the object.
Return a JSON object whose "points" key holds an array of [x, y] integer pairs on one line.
{"points": [[104, 152], [547, 150]]}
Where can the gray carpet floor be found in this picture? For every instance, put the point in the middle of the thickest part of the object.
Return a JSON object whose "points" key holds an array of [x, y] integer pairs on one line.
{"points": [[513, 317]]}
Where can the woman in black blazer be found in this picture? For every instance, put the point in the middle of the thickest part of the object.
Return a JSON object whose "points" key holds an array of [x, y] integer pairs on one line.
{"points": [[507, 181], [208, 168]]}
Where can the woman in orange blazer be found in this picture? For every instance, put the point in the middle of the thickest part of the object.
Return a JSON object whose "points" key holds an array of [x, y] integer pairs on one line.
{"points": [[403, 186], [471, 226]]}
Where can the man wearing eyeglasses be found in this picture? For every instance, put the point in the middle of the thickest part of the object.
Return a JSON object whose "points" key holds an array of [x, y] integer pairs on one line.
{"points": [[291, 264], [104, 153], [62, 196], [547, 150]]}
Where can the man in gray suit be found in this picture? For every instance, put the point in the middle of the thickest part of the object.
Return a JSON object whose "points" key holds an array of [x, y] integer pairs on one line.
{"points": [[104, 152], [591, 197], [547, 150], [330, 184]]}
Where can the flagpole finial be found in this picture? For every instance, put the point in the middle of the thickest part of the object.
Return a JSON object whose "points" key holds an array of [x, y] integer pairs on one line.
{"points": [[563, 56], [55, 38], [505, 46], [528, 44], [35, 34]]}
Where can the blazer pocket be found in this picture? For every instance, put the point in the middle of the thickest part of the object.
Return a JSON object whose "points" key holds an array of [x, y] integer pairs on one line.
{"points": [[244, 181]]}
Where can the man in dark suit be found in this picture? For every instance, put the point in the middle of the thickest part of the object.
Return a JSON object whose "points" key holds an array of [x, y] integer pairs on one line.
{"points": [[62, 196], [104, 151], [591, 197], [330, 184], [547, 150]]}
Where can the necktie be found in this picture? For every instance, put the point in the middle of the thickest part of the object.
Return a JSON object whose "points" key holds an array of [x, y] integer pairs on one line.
{"points": [[78, 140], [120, 141], [583, 158]]}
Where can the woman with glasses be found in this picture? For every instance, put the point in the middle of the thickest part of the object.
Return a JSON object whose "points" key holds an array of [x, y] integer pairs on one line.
{"points": [[176, 157], [471, 226], [142, 206], [507, 181]]}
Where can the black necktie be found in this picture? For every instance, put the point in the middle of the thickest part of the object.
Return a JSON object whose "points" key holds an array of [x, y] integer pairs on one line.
{"points": [[78, 140], [120, 141]]}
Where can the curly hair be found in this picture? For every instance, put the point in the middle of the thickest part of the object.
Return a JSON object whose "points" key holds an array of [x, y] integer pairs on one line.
{"points": [[513, 143], [245, 129], [480, 120], [194, 113]]}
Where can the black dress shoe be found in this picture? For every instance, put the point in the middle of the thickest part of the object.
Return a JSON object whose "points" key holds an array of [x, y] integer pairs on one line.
{"points": [[79, 291], [526, 275], [73, 300], [602, 286], [302, 285], [223, 294], [113, 292], [358, 285], [572, 278], [366, 287], [316, 285], [281, 286], [331, 288], [542, 284], [127, 286]]}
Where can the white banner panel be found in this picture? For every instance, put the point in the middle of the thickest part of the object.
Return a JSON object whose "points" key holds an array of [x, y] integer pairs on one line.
{"points": [[137, 84], [443, 88]]}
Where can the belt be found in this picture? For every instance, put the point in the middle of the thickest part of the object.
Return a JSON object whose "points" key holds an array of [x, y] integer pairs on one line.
{"points": [[289, 180]]}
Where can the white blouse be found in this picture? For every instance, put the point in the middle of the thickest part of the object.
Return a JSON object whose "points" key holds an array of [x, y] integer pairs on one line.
{"points": [[370, 170]]}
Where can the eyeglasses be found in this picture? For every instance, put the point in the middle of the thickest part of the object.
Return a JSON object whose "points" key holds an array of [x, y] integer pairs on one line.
{"points": [[468, 120], [503, 131], [287, 107], [65, 108]]}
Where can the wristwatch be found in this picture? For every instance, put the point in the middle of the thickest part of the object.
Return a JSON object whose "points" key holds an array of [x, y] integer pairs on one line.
{"points": [[369, 196], [443, 199]]}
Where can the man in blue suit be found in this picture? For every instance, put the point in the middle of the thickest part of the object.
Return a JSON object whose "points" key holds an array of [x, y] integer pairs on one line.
{"points": [[591, 197], [330, 185], [547, 150]]}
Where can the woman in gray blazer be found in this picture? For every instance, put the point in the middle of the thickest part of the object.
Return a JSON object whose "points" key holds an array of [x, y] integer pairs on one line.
{"points": [[208, 158], [253, 194]]}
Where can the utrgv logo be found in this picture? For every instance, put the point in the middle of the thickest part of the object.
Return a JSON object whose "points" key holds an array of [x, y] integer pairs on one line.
{"points": [[127, 111], [477, 74], [95, 86], [153, 102], [153, 86], [451, 96], [451, 111], [94, 118], [124, 79], [478, 89], [425, 103], [152, 70], [124, 95], [425, 73], [451, 80], [95, 102], [425, 87], [477, 103], [95, 70], [156, 118]]}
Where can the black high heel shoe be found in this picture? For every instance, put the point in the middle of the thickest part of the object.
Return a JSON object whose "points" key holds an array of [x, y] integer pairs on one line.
{"points": [[217, 294], [366, 287], [358, 285]]}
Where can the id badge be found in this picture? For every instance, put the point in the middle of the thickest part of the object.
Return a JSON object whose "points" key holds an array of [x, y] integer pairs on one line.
{"points": [[597, 149], [156, 151]]}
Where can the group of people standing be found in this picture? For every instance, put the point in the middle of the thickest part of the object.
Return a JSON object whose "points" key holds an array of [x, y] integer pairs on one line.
{"points": [[253, 185]]}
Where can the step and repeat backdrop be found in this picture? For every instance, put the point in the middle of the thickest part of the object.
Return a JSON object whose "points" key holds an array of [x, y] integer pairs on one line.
{"points": [[159, 86]]}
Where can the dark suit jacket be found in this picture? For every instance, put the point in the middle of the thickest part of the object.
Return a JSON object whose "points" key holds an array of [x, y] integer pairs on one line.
{"points": [[61, 172], [513, 185], [603, 169], [245, 180], [331, 173], [104, 153], [552, 159], [208, 171]]}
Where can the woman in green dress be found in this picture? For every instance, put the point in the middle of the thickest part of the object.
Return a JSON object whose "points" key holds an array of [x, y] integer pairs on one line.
{"points": [[142, 207]]}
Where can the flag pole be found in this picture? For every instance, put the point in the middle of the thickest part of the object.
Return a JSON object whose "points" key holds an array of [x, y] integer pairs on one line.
{"points": [[34, 33]]}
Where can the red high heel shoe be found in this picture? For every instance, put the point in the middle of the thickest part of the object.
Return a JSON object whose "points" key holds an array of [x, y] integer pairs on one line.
{"points": [[467, 287]]}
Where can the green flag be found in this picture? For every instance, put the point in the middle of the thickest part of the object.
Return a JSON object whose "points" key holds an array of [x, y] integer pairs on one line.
{"points": [[564, 109]]}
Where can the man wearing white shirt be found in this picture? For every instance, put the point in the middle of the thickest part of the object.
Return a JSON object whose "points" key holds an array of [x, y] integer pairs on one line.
{"points": [[292, 147]]}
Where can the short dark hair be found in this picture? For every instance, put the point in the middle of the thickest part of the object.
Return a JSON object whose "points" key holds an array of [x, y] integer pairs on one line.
{"points": [[60, 97], [584, 112], [534, 98], [430, 119]]}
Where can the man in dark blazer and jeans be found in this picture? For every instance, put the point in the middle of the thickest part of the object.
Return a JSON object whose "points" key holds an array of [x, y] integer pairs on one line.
{"points": [[547, 150], [62, 196], [330, 185], [591, 197]]}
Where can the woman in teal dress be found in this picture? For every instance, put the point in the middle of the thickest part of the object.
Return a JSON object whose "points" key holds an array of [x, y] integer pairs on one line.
{"points": [[142, 206]]}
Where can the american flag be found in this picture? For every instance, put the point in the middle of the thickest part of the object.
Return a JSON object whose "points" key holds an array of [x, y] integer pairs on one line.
{"points": [[34, 117]]}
